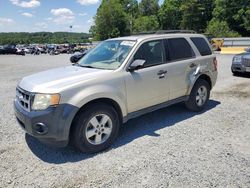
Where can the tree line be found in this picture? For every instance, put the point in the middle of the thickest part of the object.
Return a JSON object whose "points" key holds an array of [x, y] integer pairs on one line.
{"points": [[43, 38], [218, 18]]}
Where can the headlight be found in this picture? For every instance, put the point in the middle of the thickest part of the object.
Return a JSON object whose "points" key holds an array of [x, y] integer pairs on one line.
{"points": [[43, 101], [237, 59]]}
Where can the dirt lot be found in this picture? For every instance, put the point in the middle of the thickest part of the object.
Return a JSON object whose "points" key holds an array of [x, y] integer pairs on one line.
{"points": [[171, 147]]}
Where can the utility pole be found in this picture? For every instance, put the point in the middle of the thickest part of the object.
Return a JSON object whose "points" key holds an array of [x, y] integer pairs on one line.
{"points": [[131, 20]]}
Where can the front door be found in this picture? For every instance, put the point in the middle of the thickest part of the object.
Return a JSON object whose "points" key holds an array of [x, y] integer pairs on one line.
{"points": [[148, 86]]}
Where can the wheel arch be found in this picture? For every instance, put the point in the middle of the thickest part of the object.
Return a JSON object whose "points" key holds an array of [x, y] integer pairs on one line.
{"points": [[206, 78], [103, 100], [199, 77]]}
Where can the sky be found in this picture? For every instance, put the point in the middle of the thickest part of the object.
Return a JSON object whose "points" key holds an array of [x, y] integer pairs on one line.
{"points": [[47, 15]]}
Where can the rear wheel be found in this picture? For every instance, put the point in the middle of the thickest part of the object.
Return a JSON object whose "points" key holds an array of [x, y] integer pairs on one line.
{"points": [[95, 128], [199, 96]]}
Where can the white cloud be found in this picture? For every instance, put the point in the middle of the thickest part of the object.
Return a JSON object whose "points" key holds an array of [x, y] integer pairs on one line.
{"points": [[27, 14], [62, 16], [6, 21], [88, 2], [90, 21], [26, 4], [41, 25], [82, 14], [62, 12]]}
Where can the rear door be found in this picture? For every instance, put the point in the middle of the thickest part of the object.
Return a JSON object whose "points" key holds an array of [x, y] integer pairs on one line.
{"points": [[181, 63]]}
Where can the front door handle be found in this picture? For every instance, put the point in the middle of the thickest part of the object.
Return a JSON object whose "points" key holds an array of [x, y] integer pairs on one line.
{"points": [[162, 73], [192, 65]]}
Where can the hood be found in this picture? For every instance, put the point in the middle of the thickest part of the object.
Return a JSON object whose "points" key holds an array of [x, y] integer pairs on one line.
{"points": [[243, 54], [54, 80]]}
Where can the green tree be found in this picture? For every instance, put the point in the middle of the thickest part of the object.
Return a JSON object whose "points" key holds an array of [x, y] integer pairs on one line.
{"points": [[92, 30], [149, 7], [146, 23], [196, 14], [111, 20], [170, 14], [43, 38], [236, 13], [220, 29], [132, 10], [246, 19], [130, 7]]}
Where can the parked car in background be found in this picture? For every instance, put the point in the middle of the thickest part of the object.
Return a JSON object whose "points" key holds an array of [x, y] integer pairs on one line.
{"points": [[241, 63], [54, 52], [8, 49], [77, 56], [20, 52]]}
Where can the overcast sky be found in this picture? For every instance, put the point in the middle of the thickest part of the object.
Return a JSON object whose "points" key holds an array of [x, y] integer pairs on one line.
{"points": [[47, 15]]}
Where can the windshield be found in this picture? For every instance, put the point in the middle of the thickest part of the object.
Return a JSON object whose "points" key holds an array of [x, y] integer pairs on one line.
{"points": [[107, 55]]}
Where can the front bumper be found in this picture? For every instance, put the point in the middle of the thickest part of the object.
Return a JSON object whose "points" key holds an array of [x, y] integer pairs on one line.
{"points": [[239, 68], [51, 126]]}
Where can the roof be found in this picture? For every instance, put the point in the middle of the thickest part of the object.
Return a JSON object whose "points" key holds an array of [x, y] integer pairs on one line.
{"points": [[149, 36]]}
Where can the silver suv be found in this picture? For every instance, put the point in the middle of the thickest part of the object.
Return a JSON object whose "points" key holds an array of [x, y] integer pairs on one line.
{"points": [[120, 79]]}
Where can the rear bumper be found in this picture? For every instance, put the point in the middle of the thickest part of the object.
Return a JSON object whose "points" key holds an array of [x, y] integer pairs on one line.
{"points": [[51, 126]]}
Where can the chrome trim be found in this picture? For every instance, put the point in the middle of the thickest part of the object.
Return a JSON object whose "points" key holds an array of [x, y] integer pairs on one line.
{"points": [[246, 62], [24, 99]]}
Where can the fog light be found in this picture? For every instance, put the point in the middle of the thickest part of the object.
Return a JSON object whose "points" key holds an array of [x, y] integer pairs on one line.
{"points": [[41, 128]]}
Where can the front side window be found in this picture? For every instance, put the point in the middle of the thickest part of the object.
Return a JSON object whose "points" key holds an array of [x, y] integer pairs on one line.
{"points": [[178, 49], [151, 52], [107, 55]]}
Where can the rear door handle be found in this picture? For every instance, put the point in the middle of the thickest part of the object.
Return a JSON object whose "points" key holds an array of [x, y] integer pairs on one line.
{"points": [[192, 65], [162, 73]]}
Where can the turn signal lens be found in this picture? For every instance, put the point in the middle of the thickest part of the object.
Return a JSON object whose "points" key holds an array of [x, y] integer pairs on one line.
{"points": [[54, 100]]}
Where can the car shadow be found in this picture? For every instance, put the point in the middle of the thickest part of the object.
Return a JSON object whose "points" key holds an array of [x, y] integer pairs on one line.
{"points": [[144, 125]]}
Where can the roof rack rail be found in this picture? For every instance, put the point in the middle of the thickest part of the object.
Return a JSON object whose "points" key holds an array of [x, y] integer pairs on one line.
{"points": [[164, 32], [174, 31], [145, 33]]}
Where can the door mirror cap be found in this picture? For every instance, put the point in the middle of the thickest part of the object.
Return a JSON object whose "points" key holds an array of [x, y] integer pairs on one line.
{"points": [[136, 64]]}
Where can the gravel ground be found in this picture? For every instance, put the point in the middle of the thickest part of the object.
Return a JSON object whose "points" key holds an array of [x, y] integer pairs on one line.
{"points": [[171, 147]]}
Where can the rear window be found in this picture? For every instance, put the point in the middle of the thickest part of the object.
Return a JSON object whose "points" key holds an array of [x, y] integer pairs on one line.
{"points": [[178, 49], [201, 45]]}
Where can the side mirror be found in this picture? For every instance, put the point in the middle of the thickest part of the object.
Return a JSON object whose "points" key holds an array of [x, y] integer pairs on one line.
{"points": [[136, 64]]}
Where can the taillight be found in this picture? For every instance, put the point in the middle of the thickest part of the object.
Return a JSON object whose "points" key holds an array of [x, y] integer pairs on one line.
{"points": [[215, 63]]}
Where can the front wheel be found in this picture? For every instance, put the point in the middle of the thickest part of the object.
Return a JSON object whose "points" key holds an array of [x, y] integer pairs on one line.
{"points": [[199, 96], [95, 128], [235, 73]]}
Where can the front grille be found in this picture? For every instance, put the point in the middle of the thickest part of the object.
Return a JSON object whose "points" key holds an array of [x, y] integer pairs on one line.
{"points": [[23, 98], [246, 62]]}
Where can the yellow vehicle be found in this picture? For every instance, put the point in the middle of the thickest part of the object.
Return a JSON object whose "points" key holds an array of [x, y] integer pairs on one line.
{"points": [[217, 43]]}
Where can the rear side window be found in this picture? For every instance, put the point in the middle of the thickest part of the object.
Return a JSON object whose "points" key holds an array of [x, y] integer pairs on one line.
{"points": [[201, 45], [178, 49]]}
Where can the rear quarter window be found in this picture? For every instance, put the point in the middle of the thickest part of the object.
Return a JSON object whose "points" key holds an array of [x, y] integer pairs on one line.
{"points": [[202, 45]]}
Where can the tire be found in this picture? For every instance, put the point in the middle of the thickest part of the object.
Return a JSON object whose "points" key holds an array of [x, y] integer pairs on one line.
{"points": [[235, 73], [199, 96], [89, 134]]}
